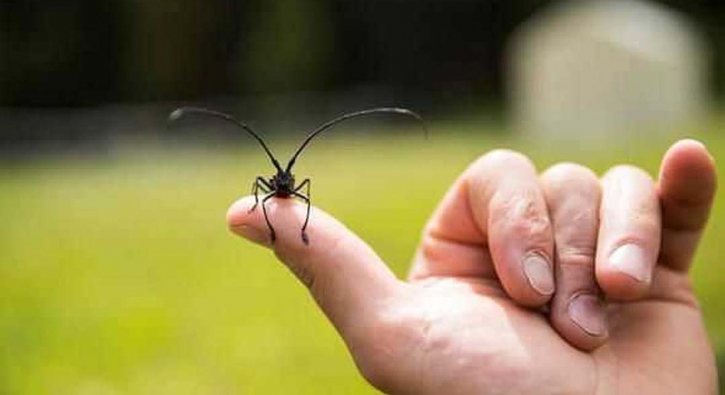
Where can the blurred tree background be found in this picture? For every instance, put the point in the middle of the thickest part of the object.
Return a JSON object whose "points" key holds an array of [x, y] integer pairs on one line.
{"points": [[434, 54]]}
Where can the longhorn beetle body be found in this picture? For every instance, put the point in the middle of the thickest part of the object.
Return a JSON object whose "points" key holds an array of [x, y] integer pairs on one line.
{"points": [[282, 184]]}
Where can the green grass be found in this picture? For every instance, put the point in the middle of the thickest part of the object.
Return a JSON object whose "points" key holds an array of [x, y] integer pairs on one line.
{"points": [[118, 276]]}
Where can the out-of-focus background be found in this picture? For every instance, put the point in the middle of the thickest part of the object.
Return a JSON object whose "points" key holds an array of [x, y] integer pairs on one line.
{"points": [[117, 274]]}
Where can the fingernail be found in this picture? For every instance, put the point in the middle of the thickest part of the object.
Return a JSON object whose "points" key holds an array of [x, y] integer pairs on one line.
{"points": [[631, 260], [251, 233], [538, 272], [587, 312]]}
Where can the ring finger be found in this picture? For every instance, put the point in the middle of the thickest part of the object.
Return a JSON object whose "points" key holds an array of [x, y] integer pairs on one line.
{"points": [[629, 233]]}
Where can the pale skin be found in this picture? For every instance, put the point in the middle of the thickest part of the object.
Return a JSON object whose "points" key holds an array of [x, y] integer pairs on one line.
{"points": [[524, 283]]}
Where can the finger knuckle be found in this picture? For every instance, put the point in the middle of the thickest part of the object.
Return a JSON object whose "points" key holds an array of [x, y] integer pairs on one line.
{"points": [[642, 229], [642, 214], [627, 170], [565, 173], [523, 215], [503, 157], [577, 254]]}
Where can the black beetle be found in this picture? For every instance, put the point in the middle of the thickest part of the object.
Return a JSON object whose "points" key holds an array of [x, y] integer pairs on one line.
{"points": [[282, 184]]}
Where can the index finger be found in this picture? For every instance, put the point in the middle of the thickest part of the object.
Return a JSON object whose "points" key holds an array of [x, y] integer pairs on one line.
{"points": [[495, 216]]}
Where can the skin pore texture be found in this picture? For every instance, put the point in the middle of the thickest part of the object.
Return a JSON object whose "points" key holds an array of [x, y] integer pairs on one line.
{"points": [[558, 282]]}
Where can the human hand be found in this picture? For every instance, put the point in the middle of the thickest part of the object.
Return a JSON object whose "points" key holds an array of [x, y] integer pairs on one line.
{"points": [[471, 318]]}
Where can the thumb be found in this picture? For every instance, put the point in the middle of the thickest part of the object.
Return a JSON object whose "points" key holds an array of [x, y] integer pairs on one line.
{"points": [[344, 275]]}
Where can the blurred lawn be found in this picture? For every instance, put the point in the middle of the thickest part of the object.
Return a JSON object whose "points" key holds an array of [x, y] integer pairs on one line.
{"points": [[118, 276]]}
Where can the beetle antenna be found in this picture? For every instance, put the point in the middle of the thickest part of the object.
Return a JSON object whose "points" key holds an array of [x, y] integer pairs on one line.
{"points": [[327, 125], [180, 112]]}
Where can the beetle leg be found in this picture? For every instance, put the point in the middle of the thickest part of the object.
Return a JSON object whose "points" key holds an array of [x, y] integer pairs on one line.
{"points": [[259, 183], [272, 234], [307, 182], [305, 239]]}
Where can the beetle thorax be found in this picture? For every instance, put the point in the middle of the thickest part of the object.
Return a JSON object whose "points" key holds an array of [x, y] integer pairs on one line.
{"points": [[283, 183]]}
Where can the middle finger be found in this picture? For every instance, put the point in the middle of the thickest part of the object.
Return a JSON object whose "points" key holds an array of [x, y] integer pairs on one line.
{"points": [[578, 310]]}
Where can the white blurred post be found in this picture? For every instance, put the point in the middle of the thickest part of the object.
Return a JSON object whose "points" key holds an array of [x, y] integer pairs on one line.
{"points": [[593, 68]]}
